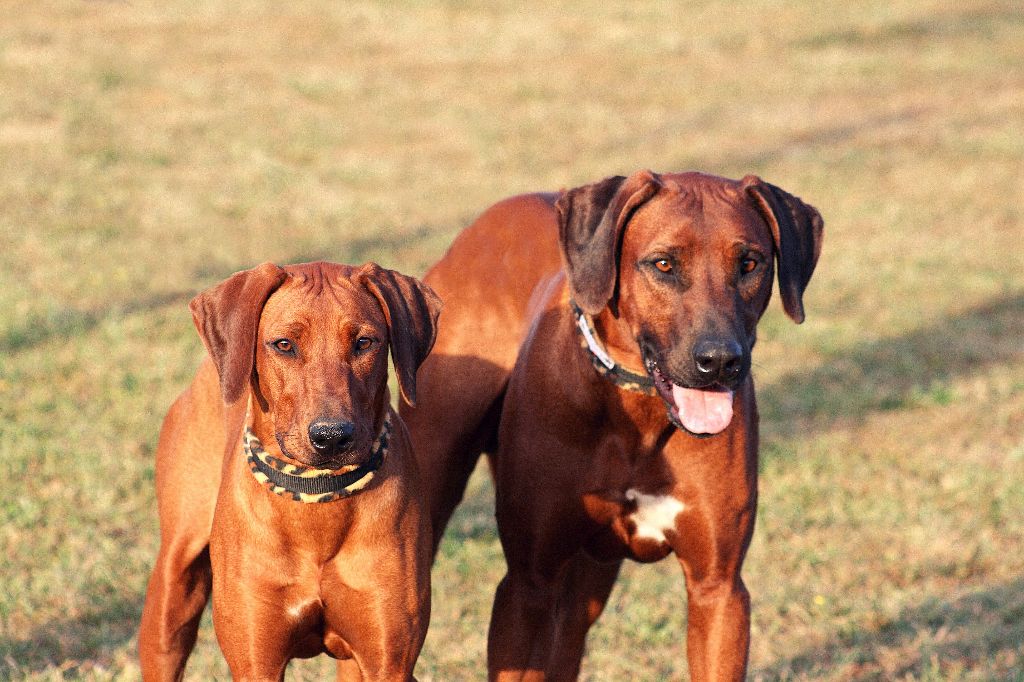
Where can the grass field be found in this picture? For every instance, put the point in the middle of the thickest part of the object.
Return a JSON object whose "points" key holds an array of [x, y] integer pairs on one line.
{"points": [[149, 149]]}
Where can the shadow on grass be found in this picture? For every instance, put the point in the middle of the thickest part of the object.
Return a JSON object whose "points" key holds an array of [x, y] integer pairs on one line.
{"points": [[75, 644], [746, 162], [971, 24], [384, 249], [913, 369], [981, 628], [69, 323]]}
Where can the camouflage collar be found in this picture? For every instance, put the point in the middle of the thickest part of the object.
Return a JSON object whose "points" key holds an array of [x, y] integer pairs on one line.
{"points": [[309, 485], [603, 362]]}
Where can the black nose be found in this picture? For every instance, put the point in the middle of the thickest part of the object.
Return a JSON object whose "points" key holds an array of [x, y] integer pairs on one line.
{"points": [[718, 359], [331, 436]]}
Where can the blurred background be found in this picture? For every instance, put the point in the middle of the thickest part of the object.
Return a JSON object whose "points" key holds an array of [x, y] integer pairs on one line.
{"points": [[150, 149]]}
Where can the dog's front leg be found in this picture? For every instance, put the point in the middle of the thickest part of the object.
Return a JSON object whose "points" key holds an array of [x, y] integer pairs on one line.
{"points": [[251, 631], [713, 542], [178, 591], [254, 614], [718, 631], [521, 629], [540, 535]]}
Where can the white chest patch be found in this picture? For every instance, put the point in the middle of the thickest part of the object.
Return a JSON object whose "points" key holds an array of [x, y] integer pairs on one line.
{"points": [[654, 514]]}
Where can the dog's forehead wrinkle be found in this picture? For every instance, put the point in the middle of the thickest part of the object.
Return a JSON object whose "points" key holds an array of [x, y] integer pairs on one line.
{"points": [[279, 317], [690, 220], [351, 326], [308, 281], [342, 294], [336, 309], [702, 195], [352, 293], [683, 198]]}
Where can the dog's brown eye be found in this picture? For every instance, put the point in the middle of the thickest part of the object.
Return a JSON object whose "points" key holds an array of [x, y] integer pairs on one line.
{"points": [[363, 343], [748, 265], [284, 345], [663, 265]]}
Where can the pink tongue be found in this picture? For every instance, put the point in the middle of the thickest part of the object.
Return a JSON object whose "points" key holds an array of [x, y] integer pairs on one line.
{"points": [[703, 411]]}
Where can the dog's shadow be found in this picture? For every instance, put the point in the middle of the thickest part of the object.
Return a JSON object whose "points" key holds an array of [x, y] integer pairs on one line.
{"points": [[74, 645], [909, 370]]}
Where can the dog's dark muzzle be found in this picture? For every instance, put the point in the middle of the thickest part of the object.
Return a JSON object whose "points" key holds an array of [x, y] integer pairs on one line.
{"points": [[699, 398], [331, 437], [719, 361]]}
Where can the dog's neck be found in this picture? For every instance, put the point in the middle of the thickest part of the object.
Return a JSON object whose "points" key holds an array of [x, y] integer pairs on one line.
{"points": [[605, 364], [307, 484]]}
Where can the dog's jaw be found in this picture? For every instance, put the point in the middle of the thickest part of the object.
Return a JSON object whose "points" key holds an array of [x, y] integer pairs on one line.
{"points": [[700, 411]]}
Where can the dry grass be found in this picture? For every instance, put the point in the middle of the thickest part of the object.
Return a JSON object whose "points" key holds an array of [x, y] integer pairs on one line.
{"points": [[150, 149]]}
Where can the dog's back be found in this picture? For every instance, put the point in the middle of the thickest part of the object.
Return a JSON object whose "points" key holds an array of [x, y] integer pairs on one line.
{"points": [[488, 280]]}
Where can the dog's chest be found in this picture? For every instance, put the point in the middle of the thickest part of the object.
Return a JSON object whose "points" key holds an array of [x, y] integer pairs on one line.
{"points": [[641, 525], [312, 633], [653, 515]]}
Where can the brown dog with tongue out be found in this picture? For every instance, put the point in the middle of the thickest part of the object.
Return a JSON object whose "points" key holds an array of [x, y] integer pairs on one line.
{"points": [[596, 343]]}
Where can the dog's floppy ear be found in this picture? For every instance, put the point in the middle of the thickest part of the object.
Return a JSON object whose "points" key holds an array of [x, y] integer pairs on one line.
{"points": [[590, 224], [797, 230], [411, 309], [227, 317]]}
